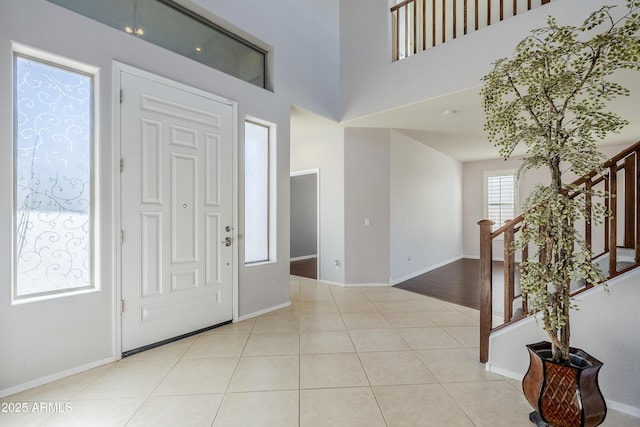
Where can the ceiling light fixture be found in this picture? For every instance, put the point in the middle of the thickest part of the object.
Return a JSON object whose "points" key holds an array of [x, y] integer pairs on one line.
{"points": [[449, 112], [135, 29]]}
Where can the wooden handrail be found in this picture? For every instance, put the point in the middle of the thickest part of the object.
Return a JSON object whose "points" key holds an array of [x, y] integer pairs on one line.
{"points": [[410, 34], [581, 181], [401, 5], [612, 161], [627, 165]]}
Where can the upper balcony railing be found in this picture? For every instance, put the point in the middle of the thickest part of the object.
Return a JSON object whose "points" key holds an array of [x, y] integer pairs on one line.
{"points": [[417, 25]]}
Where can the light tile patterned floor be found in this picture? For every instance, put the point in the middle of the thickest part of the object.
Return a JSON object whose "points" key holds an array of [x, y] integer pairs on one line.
{"points": [[336, 357]]}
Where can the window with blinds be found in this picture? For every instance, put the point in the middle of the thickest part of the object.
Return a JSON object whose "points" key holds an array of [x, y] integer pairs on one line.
{"points": [[500, 197]]}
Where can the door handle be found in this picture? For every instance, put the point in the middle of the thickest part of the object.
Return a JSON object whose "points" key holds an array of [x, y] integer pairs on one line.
{"points": [[227, 241]]}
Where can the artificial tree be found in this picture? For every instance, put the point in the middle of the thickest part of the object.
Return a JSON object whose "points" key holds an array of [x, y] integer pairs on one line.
{"points": [[551, 97]]}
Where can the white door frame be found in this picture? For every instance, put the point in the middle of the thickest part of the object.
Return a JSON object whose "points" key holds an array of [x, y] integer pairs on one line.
{"points": [[315, 172], [116, 204]]}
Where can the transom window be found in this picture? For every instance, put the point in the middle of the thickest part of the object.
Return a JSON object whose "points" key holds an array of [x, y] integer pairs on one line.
{"points": [[170, 25], [53, 139]]}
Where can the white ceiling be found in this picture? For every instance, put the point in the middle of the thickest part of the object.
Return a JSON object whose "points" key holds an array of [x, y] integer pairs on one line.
{"points": [[460, 135]]}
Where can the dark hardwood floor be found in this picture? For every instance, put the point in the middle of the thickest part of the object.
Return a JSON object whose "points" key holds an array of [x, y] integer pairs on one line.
{"points": [[456, 282], [305, 268]]}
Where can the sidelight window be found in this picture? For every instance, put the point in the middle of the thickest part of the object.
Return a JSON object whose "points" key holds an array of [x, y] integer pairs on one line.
{"points": [[53, 203], [257, 187]]}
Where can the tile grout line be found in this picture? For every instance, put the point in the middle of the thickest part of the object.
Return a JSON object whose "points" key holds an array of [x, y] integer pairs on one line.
{"points": [[226, 391], [146, 398]]}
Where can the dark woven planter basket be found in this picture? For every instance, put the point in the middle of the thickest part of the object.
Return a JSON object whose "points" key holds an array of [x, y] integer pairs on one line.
{"points": [[564, 395]]}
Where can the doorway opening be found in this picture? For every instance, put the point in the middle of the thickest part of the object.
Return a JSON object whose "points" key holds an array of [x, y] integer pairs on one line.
{"points": [[305, 224]]}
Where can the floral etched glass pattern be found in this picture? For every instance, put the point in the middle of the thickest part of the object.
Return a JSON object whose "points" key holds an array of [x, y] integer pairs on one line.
{"points": [[53, 134]]}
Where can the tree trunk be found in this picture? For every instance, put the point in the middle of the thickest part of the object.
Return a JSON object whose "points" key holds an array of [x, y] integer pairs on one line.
{"points": [[562, 257]]}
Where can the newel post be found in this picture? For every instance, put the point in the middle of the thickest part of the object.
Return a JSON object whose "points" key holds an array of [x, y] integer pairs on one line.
{"points": [[485, 287], [509, 274]]}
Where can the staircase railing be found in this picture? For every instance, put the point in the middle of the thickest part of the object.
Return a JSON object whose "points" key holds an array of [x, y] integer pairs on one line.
{"points": [[620, 183], [417, 25]]}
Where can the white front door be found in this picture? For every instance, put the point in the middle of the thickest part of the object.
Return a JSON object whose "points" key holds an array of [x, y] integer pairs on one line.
{"points": [[176, 187]]}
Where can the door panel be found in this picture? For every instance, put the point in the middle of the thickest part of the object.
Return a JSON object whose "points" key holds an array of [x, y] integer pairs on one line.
{"points": [[176, 191], [184, 187]]}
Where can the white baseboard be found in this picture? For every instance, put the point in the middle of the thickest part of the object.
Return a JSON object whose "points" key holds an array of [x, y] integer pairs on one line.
{"points": [[395, 281], [329, 282], [503, 372], [54, 377], [353, 285], [625, 409], [264, 311], [359, 285], [611, 404], [495, 258], [302, 258]]}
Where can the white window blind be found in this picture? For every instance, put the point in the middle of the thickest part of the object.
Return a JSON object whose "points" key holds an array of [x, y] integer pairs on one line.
{"points": [[500, 198]]}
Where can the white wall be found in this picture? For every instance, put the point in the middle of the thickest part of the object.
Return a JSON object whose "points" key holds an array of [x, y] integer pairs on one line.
{"points": [[305, 71], [366, 194], [453, 66], [412, 235], [78, 332], [473, 199], [426, 208], [604, 326], [306, 39], [304, 215], [325, 151]]}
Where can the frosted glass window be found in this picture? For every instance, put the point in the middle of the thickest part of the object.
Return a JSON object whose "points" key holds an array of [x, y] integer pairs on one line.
{"points": [[256, 187], [52, 172], [500, 197]]}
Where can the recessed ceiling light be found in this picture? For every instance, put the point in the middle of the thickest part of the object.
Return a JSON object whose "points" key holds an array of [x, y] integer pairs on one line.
{"points": [[136, 31], [198, 49], [450, 112]]}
